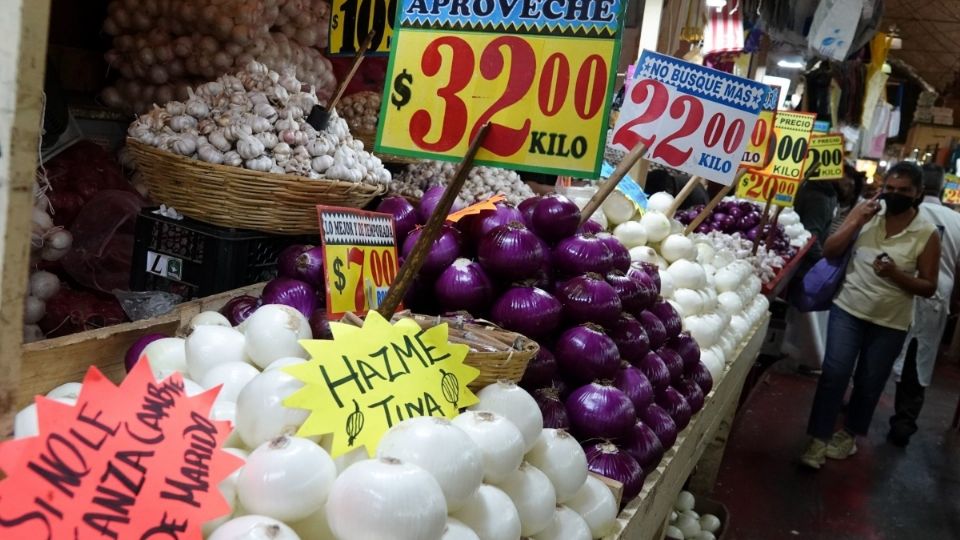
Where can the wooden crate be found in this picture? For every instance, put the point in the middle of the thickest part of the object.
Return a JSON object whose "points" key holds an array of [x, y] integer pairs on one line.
{"points": [[49, 363]]}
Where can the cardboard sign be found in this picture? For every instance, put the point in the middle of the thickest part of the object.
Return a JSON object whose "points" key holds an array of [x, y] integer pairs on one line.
{"points": [[366, 380], [825, 157], [689, 117], [757, 187], [791, 132], [476, 208], [140, 460], [758, 146], [951, 190], [352, 20], [359, 258], [542, 74]]}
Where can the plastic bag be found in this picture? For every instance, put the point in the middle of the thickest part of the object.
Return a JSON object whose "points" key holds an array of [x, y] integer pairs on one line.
{"points": [[147, 304]]}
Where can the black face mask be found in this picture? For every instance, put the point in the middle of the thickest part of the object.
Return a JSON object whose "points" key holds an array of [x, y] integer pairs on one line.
{"points": [[898, 203]]}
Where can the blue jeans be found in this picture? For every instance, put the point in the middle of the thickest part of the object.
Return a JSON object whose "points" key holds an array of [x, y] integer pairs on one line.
{"points": [[849, 338]]}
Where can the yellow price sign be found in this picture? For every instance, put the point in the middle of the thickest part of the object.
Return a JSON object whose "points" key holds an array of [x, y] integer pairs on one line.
{"points": [[791, 140], [757, 187], [366, 380], [359, 258], [951, 190], [825, 157], [758, 146], [352, 20]]}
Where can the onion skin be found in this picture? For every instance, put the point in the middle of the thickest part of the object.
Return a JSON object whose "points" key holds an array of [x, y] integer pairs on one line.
{"points": [[555, 217], [553, 410], [511, 252], [287, 260], [585, 353], [701, 375], [631, 292], [444, 250], [405, 216], [607, 460], [136, 350], [693, 394], [687, 348], [580, 254], [651, 270], [597, 411], [661, 423], [526, 208], [656, 331], [672, 401], [528, 310], [589, 299], [644, 446], [631, 339], [290, 292], [478, 226], [463, 286], [655, 370], [430, 200], [674, 363], [320, 325], [632, 382], [649, 289], [620, 255], [669, 317], [590, 227], [540, 371]]}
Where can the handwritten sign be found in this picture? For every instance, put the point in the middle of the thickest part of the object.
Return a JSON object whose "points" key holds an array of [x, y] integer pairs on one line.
{"points": [[352, 20], [951, 190], [791, 133], [140, 460], [689, 117], [359, 258], [758, 146], [366, 380], [757, 187], [825, 157], [542, 73]]}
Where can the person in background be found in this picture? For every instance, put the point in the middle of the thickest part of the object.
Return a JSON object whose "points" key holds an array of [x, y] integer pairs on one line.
{"points": [[895, 256], [849, 189], [660, 180], [697, 197], [816, 204], [914, 367]]}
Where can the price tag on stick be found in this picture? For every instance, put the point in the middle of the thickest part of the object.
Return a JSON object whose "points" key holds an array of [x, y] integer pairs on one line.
{"points": [[825, 157], [756, 155], [359, 258], [791, 132], [689, 117], [352, 20], [758, 187]]}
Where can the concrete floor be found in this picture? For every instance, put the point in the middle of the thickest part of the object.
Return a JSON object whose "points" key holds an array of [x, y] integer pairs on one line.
{"points": [[881, 493]]}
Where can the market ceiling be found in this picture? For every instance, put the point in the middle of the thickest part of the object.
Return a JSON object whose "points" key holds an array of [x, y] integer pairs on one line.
{"points": [[930, 30]]}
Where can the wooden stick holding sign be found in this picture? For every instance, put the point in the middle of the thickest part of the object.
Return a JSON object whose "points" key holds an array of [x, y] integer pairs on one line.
{"points": [[773, 226], [682, 196], [411, 266], [319, 116], [810, 173], [708, 209], [607, 188], [764, 217]]}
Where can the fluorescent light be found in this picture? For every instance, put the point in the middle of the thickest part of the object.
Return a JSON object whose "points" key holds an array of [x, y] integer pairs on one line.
{"points": [[791, 64], [896, 43]]}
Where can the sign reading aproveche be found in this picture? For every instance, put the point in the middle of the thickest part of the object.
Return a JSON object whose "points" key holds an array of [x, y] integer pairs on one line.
{"points": [[689, 117], [541, 73], [352, 20], [825, 157], [366, 380], [359, 258]]}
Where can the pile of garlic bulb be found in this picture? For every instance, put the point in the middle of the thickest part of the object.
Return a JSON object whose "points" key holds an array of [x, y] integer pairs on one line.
{"points": [[162, 47], [361, 111], [257, 120], [482, 182]]}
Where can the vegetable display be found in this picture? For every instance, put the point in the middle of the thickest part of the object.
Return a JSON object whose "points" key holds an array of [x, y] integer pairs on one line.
{"points": [[482, 182], [685, 523]]}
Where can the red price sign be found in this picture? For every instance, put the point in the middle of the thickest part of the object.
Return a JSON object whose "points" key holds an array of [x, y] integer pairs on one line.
{"points": [[758, 187], [689, 117]]}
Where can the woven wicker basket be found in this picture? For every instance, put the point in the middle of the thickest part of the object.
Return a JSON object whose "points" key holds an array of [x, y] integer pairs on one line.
{"points": [[369, 139], [241, 198]]}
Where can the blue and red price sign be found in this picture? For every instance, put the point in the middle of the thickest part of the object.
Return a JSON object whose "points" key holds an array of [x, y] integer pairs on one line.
{"points": [[689, 117]]}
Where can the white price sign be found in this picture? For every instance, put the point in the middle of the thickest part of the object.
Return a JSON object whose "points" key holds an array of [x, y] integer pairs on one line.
{"points": [[691, 118]]}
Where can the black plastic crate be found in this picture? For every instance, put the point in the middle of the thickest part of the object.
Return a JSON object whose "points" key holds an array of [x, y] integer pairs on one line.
{"points": [[196, 259]]}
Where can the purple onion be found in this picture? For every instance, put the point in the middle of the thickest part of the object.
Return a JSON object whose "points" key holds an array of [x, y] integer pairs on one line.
{"points": [[590, 227], [136, 350], [607, 460], [560, 385], [588, 298], [555, 217], [656, 370], [444, 250], [287, 260], [238, 309], [661, 423], [526, 209], [541, 369], [553, 410], [644, 446], [598, 411], [652, 271], [699, 374], [668, 316], [530, 311], [405, 217], [632, 382], [676, 406], [656, 331], [673, 361], [290, 292], [430, 201], [619, 253], [630, 337], [692, 393], [320, 325], [631, 293], [463, 286], [580, 254], [705, 227], [648, 286], [511, 252], [749, 220], [687, 348], [308, 268], [478, 226], [585, 353]]}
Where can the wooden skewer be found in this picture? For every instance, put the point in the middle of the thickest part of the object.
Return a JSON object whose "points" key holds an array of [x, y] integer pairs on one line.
{"points": [[765, 217], [607, 188], [411, 266], [682, 196], [708, 209], [353, 71], [773, 223]]}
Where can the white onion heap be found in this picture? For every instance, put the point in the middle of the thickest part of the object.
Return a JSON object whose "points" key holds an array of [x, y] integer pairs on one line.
{"points": [[481, 183]]}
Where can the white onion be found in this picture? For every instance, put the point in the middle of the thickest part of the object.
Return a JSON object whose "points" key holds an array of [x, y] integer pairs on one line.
{"points": [[44, 285], [26, 423], [688, 525], [677, 246], [660, 201], [281, 363], [516, 405], [287, 478], [440, 448], [667, 284], [166, 356], [386, 498], [702, 329], [690, 301], [208, 346], [704, 535], [491, 514], [739, 325], [191, 387], [273, 331], [566, 525], [253, 527], [345, 460], [500, 443], [709, 523], [228, 488], [687, 274], [631, 234], [730, 303], [533, 496], [33, 309], [705, 253], [208, 318], [685, 501], [596, 505], [233, 376], [618, 208], [674, 533], [261, 415], [314, 526], [224, 411], [457, 530], [714, 363], [559, 456], [643, 254], [657, 226]]}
